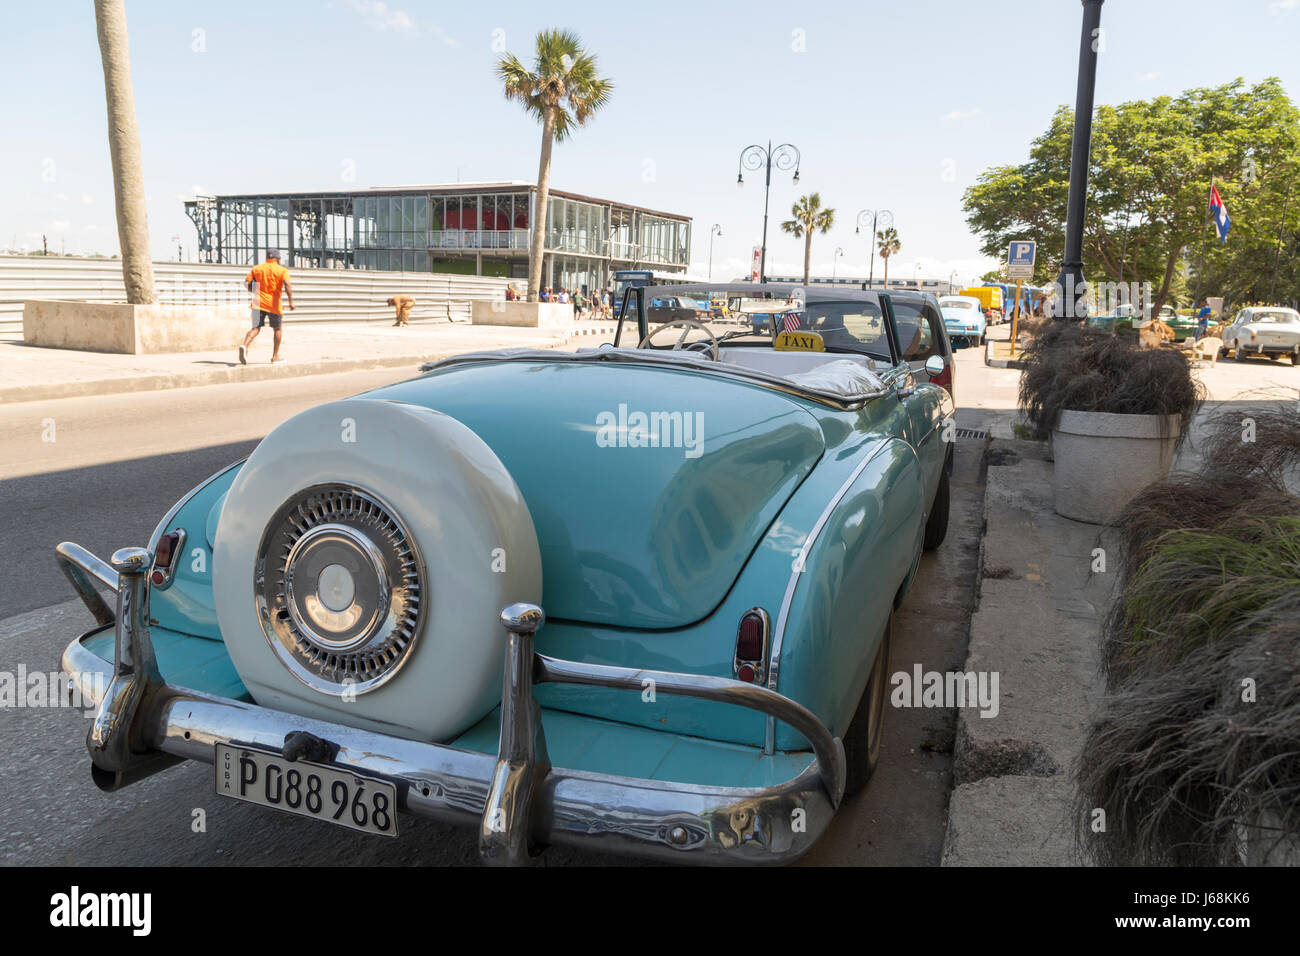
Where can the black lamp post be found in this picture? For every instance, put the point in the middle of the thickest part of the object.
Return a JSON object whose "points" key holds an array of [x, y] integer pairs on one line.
{"points": [[1071, 282], [878, 216], [784, 156], [715, 231]]}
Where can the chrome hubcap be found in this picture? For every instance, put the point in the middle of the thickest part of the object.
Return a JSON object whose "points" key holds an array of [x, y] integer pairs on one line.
{"points": [[340, 589]]}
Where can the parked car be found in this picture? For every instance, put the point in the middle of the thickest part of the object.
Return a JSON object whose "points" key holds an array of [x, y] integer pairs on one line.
{"points": [[963, 318], [666, 308], [922, 334], [348, 625], [1271, 330]]}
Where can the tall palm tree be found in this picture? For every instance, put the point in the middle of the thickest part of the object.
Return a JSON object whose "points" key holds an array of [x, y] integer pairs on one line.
{"points": [[888, 245], [562, 90], [809, 217], [124, 151]]}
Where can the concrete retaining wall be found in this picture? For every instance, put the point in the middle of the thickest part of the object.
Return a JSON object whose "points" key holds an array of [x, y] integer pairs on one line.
{"points": [[531, 315], [131, 329]]}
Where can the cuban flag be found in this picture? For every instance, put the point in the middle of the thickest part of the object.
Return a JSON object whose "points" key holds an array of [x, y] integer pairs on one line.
{"points": [[791, 321], [1219, 212]]}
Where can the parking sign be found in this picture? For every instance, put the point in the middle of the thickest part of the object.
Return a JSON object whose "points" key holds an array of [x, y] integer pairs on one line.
{"points": [[1020, 259]]}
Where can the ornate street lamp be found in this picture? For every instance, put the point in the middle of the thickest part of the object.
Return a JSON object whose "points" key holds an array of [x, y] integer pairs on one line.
{"points": [[1071, 282], [715, 231], [878, 217], [753, 157], [835, 260]]}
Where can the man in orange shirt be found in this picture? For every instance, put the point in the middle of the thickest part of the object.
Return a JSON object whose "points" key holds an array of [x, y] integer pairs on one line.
{"points": [[268, 280]]}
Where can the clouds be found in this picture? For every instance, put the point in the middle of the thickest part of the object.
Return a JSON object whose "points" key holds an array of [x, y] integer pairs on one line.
{"points": [[956, 115], [1283, 6], [1145, 77], [378, 15]]}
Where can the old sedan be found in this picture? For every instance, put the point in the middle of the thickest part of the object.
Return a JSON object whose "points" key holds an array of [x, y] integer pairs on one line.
{"points": [[348, 625], [963, 319], [1264, 331]]}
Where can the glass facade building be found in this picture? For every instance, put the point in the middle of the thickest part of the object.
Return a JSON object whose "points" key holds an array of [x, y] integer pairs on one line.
{"points": [[480, 229]]}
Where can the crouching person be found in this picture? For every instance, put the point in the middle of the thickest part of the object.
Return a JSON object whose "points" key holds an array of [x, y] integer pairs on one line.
{"points": [[404, 304]]}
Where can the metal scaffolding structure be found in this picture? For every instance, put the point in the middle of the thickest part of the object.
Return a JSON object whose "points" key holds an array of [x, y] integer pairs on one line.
{"points": [[468, 228]]}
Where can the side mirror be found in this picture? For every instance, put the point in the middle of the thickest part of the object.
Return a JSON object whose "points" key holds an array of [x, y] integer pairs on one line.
{"points": [[934, 365]]}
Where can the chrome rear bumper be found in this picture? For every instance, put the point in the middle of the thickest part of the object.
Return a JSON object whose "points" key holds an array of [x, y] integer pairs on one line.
{"points": [[516, 800]]}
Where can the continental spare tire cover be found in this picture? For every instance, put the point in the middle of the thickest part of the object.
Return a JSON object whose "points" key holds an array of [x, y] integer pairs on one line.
{"points": [[361, 562]]}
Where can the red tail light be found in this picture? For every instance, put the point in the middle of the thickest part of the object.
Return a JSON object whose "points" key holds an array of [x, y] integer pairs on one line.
{"points": [[751, 646], [165, 556]]}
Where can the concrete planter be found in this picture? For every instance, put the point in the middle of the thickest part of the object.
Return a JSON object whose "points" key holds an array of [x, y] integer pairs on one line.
{"points": [[132, 329], [529, 315], [1103, 460]]}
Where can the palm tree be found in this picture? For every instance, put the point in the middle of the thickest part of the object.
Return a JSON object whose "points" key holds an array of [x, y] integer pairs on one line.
{"points": [[809, 217], [889, 244], [562, 91], [124, 151]]}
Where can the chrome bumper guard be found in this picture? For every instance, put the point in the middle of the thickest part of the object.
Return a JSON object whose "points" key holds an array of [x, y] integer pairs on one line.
{"points": [[517, 800]]}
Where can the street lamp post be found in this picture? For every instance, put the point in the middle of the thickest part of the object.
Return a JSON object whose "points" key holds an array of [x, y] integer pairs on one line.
{"points": [[835, 260], [753, 157], [952, 277], [1277, 256], [878, 217], [916, 271], [1071, 281], [715, 231]]}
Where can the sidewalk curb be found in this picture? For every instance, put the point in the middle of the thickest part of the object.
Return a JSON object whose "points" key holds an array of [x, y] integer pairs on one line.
{"points": [[992, 362], [1035, 625], [216, 376], [252, 373]]}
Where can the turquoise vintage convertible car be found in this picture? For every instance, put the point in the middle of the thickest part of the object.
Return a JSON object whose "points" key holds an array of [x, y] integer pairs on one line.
{"points": [[348, 624]]}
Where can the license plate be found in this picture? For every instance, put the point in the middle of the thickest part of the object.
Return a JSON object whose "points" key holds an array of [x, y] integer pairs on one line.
{"points": [[307, 789]]}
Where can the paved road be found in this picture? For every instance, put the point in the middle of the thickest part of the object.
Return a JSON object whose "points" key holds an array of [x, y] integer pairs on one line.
{"points": [[118, 462]]}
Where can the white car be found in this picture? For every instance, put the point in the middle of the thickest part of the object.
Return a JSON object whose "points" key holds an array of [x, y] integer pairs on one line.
{"points": [[1267, 330], [963, 317]]}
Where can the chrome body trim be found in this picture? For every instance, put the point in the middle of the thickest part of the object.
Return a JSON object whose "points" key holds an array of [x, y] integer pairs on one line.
{"points": [[516, 799], [783, 615], [79, 566]]}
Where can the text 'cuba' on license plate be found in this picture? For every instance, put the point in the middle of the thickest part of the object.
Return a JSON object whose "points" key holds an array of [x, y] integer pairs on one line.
{"points": [[307, 789]]}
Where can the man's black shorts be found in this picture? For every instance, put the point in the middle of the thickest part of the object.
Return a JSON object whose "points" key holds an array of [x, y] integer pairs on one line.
{"points": [[261, 317]]}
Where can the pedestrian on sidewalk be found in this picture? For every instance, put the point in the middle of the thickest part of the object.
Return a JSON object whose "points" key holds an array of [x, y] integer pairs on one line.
{"points": [[1203, 320], [268, 280]]}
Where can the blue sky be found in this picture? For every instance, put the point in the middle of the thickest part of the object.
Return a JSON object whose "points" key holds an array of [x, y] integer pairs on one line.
{"points": [[892, 104]]}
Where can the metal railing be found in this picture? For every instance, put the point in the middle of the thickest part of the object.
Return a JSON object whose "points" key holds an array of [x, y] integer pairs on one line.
{"points": [[321, 295]]}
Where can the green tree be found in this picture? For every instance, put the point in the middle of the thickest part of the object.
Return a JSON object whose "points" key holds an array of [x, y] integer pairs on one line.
{"points": [[1151, 166], [124, 152], [561, 91], [809, 217], [887, 245]]}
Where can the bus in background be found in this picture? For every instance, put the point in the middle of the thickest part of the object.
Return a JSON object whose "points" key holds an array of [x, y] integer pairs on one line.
{"points": [[625, 279]]}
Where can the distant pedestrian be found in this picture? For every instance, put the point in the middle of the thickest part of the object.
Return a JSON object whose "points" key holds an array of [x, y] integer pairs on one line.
{"points": [[510, 293], [1203, 320], [577, 305], [268, 280], [404, 304], [546, 294]]}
